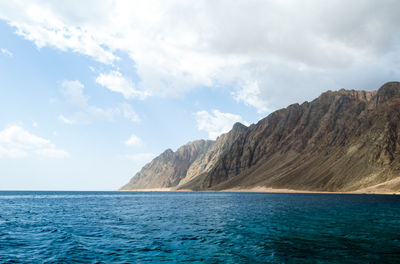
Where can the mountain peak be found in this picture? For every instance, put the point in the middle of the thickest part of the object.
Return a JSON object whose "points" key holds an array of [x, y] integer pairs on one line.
{"points": [[387, 92], [167, 169], [239, 127]]}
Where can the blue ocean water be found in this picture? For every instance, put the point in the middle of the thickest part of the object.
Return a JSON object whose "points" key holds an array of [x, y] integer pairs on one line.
{"points": [[141, 227]]}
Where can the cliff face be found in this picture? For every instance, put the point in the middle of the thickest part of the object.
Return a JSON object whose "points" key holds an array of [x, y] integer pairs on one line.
{"points": [[169, 168], [341, 141], [207, 162]]}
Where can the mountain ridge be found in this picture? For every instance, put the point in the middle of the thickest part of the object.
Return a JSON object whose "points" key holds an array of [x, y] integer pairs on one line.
{"points": [[343, 140]]}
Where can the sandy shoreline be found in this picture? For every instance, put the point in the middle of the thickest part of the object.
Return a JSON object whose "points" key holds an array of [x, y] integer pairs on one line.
{"points": [[269, 190]]}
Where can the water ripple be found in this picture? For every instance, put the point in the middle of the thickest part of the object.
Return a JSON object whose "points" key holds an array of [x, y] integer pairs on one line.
{"points": [[108, 227]]}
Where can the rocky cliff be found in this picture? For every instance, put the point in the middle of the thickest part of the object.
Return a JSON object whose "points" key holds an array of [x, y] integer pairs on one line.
{"points": [[342, 141], [169, 168]]}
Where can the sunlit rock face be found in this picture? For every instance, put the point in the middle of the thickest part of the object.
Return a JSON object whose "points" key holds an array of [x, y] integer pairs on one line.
{"points": [[169, 168]]}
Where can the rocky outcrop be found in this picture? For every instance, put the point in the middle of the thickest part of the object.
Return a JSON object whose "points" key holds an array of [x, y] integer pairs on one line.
{"points": [[206, 163], [169, 168], [342, 141]]}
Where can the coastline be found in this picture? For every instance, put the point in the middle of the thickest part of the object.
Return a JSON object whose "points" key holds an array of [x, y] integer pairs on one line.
{"points": [[369, 190], [273, 190], [389, 187]]}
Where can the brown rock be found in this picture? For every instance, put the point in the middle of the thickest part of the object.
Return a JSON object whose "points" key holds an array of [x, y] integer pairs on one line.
{"points": [[341, 141], [169, 168]]}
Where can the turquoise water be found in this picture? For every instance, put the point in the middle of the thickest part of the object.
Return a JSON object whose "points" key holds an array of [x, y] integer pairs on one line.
{"points": [[141, 227]]}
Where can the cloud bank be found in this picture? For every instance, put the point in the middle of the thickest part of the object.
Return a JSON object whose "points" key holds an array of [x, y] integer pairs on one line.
{"points": [[270, 53]]}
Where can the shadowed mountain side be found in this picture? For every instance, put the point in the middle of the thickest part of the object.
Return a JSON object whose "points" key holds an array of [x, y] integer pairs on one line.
{"points": [[341, 141]]}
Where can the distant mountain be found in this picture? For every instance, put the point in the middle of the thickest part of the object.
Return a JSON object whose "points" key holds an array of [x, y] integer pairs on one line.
{"points": [[169, 168], [344, 140]]}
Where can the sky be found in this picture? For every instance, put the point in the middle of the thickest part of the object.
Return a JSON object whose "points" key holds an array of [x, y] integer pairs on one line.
{"points": [[93, 90]]}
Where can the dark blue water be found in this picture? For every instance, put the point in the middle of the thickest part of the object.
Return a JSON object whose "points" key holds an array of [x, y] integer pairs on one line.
{"points": [[115, 227]]}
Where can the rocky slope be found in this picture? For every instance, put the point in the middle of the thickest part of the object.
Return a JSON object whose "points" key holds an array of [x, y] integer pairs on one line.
{"points": [[342, 141], [169, 168]]}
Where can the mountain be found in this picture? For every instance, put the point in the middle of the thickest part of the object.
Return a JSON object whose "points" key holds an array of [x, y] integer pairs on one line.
{"points": [[344, 140], [169, 168]]}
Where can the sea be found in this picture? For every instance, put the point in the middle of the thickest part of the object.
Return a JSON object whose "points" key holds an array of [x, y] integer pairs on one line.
{"points": [[198, 227]]}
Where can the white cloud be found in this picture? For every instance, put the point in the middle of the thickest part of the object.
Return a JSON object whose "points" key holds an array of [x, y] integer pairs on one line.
{"points": [[129, 113], [216, 123], [35, 124], [16, 142], [133, 141], [85, 113], [66, 120], [114, 81], [250, 95], [179, 45], [6, 52], [37, 21], [73, 92]]}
